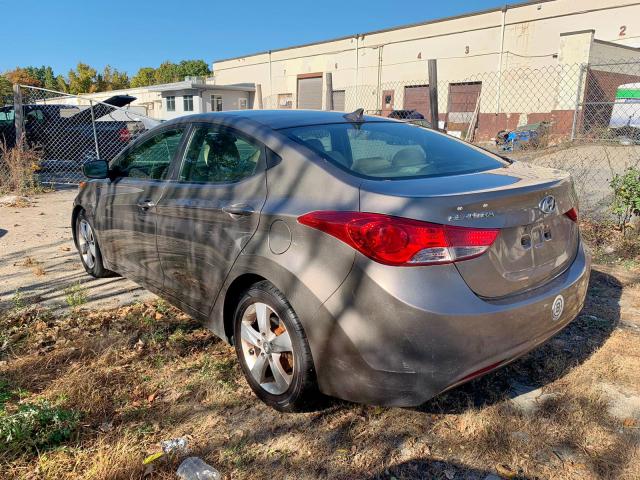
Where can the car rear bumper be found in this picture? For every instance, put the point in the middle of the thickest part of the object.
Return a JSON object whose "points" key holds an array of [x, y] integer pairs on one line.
{"points": [[400, 336]]}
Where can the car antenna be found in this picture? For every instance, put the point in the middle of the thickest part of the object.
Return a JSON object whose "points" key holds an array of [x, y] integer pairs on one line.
{"points": [[355, 116]]}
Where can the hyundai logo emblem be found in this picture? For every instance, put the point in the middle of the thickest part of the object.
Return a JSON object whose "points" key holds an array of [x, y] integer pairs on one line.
{"points": [[548, 204]]}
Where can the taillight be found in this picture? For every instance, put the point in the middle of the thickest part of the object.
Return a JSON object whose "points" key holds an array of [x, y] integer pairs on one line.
{"points": [[124, 134], [402, 241], [572, 214]]}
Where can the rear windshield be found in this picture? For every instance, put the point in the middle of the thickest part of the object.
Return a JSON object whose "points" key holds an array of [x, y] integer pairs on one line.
{"points": [[390, 150]]}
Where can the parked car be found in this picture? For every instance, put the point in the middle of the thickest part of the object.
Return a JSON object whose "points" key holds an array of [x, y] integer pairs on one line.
{"points": [[65, 133], [361, 257], [406, 115], [625, 113]]}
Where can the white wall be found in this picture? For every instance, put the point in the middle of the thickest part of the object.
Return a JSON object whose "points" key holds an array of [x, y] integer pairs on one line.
{"points": [[464, 47], [230, 99]]}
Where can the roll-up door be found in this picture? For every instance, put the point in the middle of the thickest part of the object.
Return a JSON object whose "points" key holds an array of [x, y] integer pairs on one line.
{"points": [[416, 97], [310, 93]]}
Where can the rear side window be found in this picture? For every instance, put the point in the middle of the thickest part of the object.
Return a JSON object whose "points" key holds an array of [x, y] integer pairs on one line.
{"points": [[388, 150], [219, 155]]}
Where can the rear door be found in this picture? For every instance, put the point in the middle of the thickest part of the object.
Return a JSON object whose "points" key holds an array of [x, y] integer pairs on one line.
{"points": [[126, 210], [210, 212]]}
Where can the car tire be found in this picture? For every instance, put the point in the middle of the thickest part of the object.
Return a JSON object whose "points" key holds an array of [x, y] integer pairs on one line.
{"points": [[88, 248], [262, 346]]}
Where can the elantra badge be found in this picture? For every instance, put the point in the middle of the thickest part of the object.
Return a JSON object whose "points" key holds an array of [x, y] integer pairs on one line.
{"points": [[557, 307], [548, 204]]}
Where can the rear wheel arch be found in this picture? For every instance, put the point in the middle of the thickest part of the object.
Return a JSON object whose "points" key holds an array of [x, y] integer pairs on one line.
{"points": [[74, 217], [234, 293]]}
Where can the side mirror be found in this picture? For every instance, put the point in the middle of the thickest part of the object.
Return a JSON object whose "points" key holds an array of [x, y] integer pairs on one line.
{"points": [[96, 169]]}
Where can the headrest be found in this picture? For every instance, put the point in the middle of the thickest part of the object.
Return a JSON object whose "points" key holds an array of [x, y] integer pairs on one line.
{"points": [[409, 157]]}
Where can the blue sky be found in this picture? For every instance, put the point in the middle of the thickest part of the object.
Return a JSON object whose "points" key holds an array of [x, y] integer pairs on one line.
{"points": [[129, 34]]}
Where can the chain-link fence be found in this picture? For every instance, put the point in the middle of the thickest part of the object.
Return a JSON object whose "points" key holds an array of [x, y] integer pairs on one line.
{"points": [[68, 130], [580, 118]]}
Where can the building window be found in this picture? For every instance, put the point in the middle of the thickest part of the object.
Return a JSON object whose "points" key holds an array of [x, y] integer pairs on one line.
{"points": [[171, 104], [285, 101], [187, 102], [216, 103], [243, 103]]}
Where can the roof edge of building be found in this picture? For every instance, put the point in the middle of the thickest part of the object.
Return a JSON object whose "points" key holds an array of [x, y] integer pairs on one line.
{"points": [[507, 6]]}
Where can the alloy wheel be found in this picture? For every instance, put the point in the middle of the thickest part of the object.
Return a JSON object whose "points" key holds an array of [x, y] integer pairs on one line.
{"points": [[267, 349], [86, 243]]}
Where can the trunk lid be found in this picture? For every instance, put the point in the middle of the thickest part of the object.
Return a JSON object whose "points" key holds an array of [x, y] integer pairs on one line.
{"points": [[533, 246]]}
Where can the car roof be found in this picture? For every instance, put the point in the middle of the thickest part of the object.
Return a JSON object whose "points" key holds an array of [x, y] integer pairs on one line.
{"points": [[277, 119]]}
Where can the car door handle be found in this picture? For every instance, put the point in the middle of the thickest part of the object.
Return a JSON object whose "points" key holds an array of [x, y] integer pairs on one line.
{"points": [[146, 204], [238, 210]]}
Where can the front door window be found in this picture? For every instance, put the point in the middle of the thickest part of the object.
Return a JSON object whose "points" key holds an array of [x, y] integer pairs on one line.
{"points": [[151, 159]]}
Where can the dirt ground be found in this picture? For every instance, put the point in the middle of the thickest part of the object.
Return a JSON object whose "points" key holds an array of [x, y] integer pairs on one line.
{"points": [[127, 377], [40, 264]]}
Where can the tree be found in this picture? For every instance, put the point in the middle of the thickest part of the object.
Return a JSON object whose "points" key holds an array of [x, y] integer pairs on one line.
{"points": [[144, 77], [61, 84], [23, 77], [44, 75], [6, 90], [193, 68], [119, 80], [167, 72], [111, 79], [83, 79], [49, 80]]}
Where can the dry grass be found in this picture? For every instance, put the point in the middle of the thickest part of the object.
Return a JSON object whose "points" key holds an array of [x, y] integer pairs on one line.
{"points": [[18, 168], [141, 374]]}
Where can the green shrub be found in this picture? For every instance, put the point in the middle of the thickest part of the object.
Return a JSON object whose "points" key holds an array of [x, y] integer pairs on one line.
{"points": [[626, 197], [35, 426]]}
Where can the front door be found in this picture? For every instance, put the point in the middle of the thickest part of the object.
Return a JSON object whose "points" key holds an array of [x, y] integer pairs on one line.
{"points": [[209, 214], [126, 207]]}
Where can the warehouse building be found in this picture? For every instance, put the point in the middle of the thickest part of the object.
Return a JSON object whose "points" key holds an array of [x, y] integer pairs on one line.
{"points": [[481, 57]]}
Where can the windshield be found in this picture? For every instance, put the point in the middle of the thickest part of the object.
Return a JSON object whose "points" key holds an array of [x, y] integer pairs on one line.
{"points": [[390, 150]]}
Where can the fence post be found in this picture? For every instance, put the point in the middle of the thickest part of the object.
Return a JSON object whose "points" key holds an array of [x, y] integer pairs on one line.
{"points": [[257, 97], [328, 99], [93, 125], [433, 92], [18, 114], [577, 105]]}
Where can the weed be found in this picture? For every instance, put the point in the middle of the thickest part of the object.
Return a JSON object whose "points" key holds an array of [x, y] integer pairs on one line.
{"points": [[162, 306], [224, 371], [5, 393], [626, 197], [10, 394], [39, 271], [29, 262], [238, 454], [36, 426], [18, 300], [75, 295], [18, 170]]}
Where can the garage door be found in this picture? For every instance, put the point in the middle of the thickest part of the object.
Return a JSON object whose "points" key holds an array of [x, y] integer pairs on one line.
{"points": [[463, 98], [338, 100], [416, 97], [310, 93]]}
